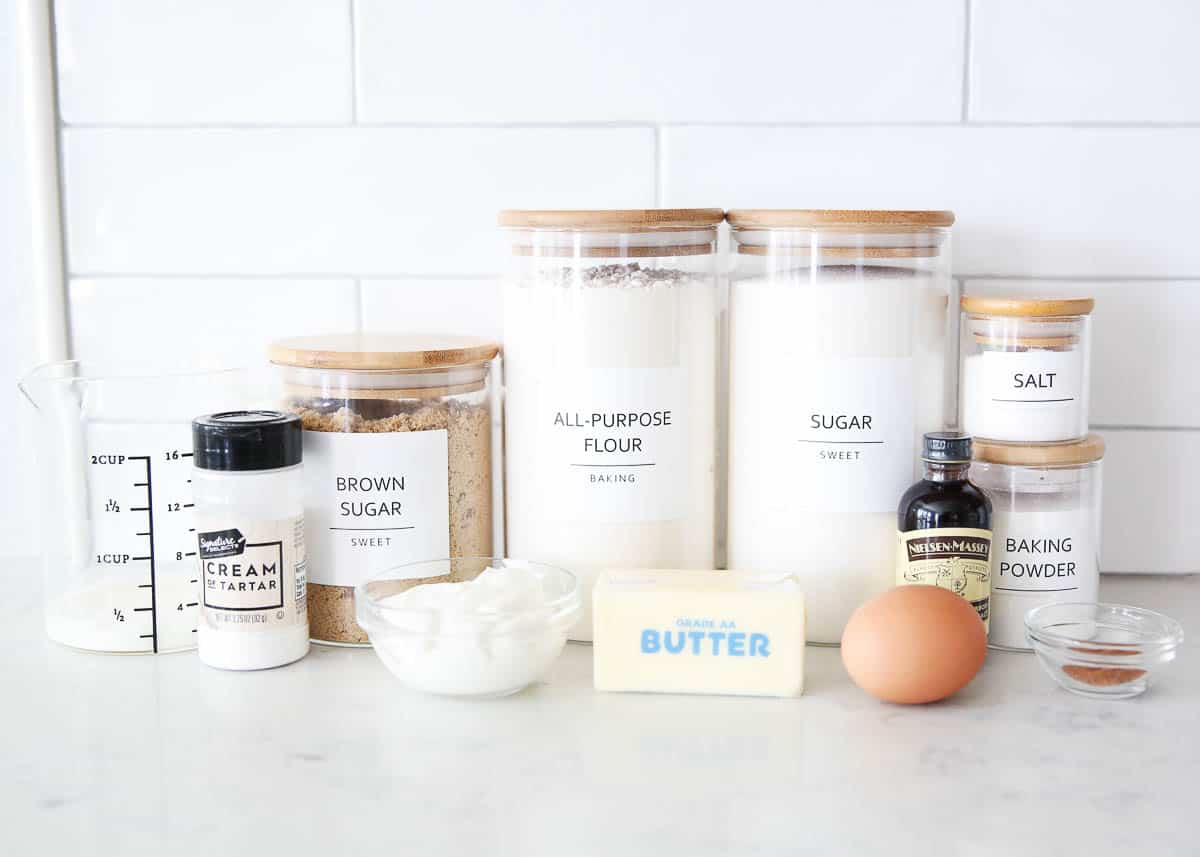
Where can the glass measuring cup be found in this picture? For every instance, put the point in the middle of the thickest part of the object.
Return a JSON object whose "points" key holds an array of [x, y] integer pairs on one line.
{"points": [[117, 538]]}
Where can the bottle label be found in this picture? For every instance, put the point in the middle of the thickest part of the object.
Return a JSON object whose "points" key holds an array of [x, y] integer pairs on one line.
{"points": [[1024, 395], [1041, 557], [375, 501], [954, 558], [614, 445], [841, 436], [252, 573]]}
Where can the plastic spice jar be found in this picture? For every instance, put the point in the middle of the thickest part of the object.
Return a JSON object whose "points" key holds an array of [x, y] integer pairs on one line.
{"points": [[397, 458], [1025, 368], [610, 364], [1046, 527], [837, 327], [248, 488]]}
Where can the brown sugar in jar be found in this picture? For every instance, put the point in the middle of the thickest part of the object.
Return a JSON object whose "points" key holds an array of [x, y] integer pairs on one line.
{"points": [[398, 455]]}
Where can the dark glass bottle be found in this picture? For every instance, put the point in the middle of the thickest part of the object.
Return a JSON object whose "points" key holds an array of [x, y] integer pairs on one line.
{"points": [[945, 524]]}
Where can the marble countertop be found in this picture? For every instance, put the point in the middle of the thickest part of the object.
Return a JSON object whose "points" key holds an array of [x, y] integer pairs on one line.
{"points": [[144, 755]]}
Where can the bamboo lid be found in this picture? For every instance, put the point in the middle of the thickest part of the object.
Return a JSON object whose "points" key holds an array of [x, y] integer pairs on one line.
{"points": [[366, 351], [1085, 451], [866, 220], [614, 220], [1026, 307]]}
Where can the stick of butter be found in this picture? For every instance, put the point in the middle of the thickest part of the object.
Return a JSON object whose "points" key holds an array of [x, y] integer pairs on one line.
{"points": [[698, 632]]}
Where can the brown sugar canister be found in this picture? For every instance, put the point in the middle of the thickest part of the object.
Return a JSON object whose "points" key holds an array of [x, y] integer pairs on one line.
{"points": [[397, 454]]}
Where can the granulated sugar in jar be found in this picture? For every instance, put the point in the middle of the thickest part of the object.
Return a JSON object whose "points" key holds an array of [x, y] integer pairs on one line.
{"points": [[398, 459], [837, 329]]}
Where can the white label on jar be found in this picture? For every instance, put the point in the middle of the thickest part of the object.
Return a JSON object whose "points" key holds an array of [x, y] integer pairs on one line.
{"points": [[1038, 558], [375, 501], [252, 573], [1024, 395], [844, 434], [614, 445]]}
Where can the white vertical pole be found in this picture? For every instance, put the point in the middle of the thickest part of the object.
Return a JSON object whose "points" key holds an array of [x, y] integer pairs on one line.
{"points": [[38, 117]]}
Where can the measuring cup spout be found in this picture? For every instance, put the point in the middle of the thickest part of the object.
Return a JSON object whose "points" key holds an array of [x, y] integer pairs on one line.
{"points": [[24, 386]]}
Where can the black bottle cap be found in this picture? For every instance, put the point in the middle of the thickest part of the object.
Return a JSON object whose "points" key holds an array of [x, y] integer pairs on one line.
{"points": [[246, 440], [948, 446]]}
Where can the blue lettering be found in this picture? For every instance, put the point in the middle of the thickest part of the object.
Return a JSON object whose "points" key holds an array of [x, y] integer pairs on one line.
{"points": [[649, 641], [697, 637], [717, 637], [758, 645], [737, 644], [676, 647]]}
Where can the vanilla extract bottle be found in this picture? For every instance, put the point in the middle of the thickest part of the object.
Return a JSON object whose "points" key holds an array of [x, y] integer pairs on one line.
{"points": [[945, 525]]}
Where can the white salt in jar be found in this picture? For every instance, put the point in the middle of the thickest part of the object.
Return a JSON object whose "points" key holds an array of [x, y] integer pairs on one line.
{"points": [[1025, 368], [837, 329], [610, 367], [1046, 527]]}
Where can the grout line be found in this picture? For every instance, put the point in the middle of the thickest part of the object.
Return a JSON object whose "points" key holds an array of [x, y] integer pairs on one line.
{"points": [[358, 304], [354, 61], [616, 124], [233, 275], [1175, 429], [658, 167], [966, 75], [1082, 278]]}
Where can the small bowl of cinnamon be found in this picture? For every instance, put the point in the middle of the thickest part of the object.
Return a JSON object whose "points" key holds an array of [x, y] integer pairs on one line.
{"points": [[1104, 651]]}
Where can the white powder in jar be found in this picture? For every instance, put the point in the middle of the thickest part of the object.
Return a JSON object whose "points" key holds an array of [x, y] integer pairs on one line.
{"points": [[835, 372], [610, 419]]}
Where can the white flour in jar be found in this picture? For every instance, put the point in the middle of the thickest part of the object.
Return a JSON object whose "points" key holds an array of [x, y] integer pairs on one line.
{"points": [[610, 419], [835, 373]]}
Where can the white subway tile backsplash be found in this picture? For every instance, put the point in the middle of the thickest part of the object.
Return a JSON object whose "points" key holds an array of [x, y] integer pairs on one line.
{"points": [[145, 62], [374, 201], [1085, 60], [459, 306], [1030, 201], [1145, 347], [628, 60], [1151, 504], [148, 324]]}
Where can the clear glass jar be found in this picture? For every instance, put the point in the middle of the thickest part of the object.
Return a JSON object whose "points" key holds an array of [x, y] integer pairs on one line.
{"points": [[397, 458], [1025, 368], [611, 353], [1045, 527], [837, 329]]}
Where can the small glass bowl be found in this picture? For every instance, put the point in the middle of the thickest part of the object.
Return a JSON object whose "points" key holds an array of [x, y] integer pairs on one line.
{"points": [[1103, 651], [465, 651]]}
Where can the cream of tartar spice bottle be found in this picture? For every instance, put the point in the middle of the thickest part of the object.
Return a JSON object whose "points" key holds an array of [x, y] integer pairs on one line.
{"points": [[945, 525], [248, 489]]}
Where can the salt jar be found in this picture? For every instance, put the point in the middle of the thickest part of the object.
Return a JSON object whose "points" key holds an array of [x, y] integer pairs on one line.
{"points": [[1025, 368], [610, 364], [837, 328], [1046, 527]]}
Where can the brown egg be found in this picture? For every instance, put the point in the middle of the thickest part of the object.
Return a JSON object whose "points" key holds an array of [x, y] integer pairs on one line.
{"points": [[914, 644]]}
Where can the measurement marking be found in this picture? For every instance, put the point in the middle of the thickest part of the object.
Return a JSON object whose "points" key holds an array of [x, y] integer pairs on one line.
{"points": [[1033, 401], [191, 529], [145, 586], [188, 505], [139, 484], [193, 580], [1010, 589], [139, 557], [646, 464], [190, 553], [153, 588], [191, 604], [185, 455], [141, 534], [371, 529], [139, 508], [189, 482], [146, 637], [853, 442], [142, 609]]}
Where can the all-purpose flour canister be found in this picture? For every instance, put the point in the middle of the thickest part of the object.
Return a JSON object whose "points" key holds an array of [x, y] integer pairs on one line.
{"points": [[837, 329], [1025, 368], [1046, 527], [397, 458], [610, 364]]}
